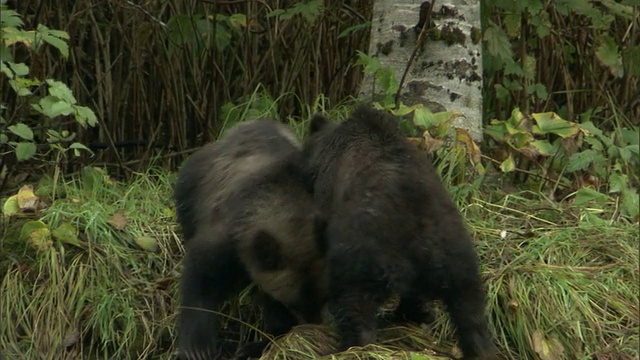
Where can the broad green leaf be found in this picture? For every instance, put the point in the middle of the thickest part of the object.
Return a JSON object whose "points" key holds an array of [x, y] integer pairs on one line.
{"points": [[55, 38], [544, 147], [14, 69], [617, 182], [61, 91], [609, 55], [238, 20], [512, 23], [508, 164], [51, 106], [498, 43], [22, 130], [310, 10], [25, 150], [631, 203], [21, 86], [501, 92], [37, 233], [406, 110], [586, 195], [10, 206], [550, 122], [497, 130], [513, 68], [581, 160], [67, 233], [77, 147], [10, 19], [540, 90], [85, 116]]}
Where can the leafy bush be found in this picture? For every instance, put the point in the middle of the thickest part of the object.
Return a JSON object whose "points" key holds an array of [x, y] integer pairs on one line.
{"points": [[34, 114]]}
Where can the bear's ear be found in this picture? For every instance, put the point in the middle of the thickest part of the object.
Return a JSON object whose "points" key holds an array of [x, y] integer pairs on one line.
{"points": [[317, 123]]}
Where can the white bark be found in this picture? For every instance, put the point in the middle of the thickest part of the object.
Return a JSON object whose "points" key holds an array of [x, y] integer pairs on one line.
{"points": [[442, 76]]}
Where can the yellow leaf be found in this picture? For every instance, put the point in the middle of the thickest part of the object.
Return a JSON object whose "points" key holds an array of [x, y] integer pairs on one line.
{"points": [[37, 233], [462, 136], [27, 200]]}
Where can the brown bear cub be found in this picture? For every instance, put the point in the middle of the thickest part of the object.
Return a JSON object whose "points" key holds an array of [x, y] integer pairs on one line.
{"points": [[247, 218], [392, 229]]}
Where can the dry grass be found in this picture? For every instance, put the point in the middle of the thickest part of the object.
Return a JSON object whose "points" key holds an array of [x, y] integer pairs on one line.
{"points": [[553, 280]]}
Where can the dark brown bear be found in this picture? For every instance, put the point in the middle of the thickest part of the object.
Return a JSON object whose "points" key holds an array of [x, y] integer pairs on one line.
{"points": [[247, 217], [392, 229]]}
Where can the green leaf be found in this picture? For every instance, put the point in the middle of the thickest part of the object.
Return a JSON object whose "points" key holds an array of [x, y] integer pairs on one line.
{"points": [[77, 147], [238, 20], [147, 243], [51, 106], [550, 122], [508, 164], [37, 233], [617, 182], [581, 160], [85, 116], [67, 233], [544, 147], [10, 18], [55, 38], [61, 91], [631, 203], [11, 206], [587, 195], [22, 130], [14, 69], [498, 43], [609, 55], [540, 90], [25, 150], [497, 130], [501, 92]]}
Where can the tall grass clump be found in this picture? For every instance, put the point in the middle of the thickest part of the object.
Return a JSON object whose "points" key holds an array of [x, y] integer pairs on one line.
{"points": [[100, 293]]}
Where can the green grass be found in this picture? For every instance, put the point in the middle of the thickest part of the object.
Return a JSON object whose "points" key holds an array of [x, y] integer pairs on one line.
{"points": [[558, 280]]}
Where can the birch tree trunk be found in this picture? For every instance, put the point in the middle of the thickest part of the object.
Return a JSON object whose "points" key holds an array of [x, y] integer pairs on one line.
{"points": [[447, 73]]}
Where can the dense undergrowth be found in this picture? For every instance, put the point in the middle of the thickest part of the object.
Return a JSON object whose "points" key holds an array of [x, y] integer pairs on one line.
{"points": [[559, 285]]}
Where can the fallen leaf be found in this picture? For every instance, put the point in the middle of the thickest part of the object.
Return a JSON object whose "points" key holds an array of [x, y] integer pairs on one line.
{"points": [[37, 233], [118, 220], [67, 233], [547, 349], [10, 206], [27, 200], [147, 243], [463, 137]]}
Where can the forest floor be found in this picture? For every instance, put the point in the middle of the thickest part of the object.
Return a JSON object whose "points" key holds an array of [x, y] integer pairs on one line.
{"points": [[93, 273]]}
